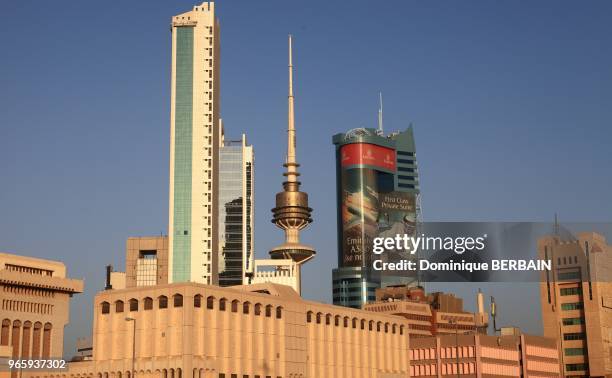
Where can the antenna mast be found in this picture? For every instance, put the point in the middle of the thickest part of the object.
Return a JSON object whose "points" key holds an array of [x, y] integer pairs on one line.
{"points": [[380, 114]]}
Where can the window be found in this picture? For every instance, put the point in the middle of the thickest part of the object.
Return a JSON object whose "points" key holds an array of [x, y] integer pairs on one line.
{"points": [[309, 317], [378, 325], [573, 321], [222, 303], [197, 301], [401, 330], [279, 312], [570, 291], [574, 351], [363, 323], [245, 308], [178, 300], [337, 320], [574, 336], [346, 319], [328, 319], [405, 161], [572, 306], [569, 275], [119, 306], [577, 367], [105, 307], [133, 304], [257, 310], [210, 302], [268, 311], [371, 326], [162, 302], [354, 323], [148, 303], [394, 329], [235, 305], [386, 327]]}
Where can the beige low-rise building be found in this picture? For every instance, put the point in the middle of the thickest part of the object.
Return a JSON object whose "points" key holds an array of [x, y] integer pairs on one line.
{"points": [[484, 356], [257, 331], [34, 295]]}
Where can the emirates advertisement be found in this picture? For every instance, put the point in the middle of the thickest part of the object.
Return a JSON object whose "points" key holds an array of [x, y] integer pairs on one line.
{"points": [[370, 206]]}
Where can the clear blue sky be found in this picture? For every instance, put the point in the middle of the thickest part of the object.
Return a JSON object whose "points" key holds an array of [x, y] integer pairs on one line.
{"points": [[511, 103]]}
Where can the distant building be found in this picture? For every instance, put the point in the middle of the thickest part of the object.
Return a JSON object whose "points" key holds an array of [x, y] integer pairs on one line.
{"points": [[483, 356], [236, 212], [576, 300], [377, 195], [262, 330], [35, 306], [195, 135], [429, 314], [146, 261]]}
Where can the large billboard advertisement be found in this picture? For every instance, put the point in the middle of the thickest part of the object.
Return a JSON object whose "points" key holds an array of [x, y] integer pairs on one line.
{"points": [[370, 205]]}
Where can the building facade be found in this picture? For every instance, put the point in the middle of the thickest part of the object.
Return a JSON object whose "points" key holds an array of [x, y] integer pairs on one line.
{"points": [[236, 212], [377, 195], [195, 136], [35, 296], [576, 299], [429, 314], [146, 261], [257, 331], [483, 356]]}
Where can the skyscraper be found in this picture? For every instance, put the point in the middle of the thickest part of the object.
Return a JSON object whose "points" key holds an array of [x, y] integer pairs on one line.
{"points": [[576, 298], [194, 146], [236, 205], [377, 195]]}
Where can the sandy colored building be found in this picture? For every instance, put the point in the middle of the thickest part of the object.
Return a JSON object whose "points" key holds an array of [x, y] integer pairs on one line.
{"points": [[146, 261], [484, 356], [35, 295], [256, 331], [576, 300], [429, 314]]}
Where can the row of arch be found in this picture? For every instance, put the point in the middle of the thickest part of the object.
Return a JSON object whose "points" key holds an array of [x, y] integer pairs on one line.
{"points": [[355, 323], [29, 340], [223, 304]]}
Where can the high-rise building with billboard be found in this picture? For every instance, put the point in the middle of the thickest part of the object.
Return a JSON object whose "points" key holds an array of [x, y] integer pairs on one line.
{"points": [[576, 299], [236, 205], [195, 138], [377, 196]]}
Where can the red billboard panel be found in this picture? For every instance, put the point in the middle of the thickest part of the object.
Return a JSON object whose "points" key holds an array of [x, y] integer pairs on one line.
{"points": [[368, 154]]}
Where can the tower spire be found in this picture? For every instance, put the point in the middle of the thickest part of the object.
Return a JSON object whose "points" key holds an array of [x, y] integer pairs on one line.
{"points": [[291, 159], [380, 114]]}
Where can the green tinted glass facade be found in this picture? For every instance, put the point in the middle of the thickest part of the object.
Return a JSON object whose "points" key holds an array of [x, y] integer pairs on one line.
{"points": [[183, 117]]}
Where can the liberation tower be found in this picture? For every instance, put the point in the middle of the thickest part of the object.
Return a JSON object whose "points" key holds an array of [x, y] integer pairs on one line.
{"points": [[292, 213]]}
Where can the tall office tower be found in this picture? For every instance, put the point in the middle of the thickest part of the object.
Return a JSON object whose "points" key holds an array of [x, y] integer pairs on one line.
{"points": [[236, 205], [377, 196], [194, 146], [576, 299], [292, 213]]}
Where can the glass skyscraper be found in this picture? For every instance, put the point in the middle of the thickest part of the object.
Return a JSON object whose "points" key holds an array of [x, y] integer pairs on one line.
{"points": [[377, 196], [235, 212], [195, 134]]}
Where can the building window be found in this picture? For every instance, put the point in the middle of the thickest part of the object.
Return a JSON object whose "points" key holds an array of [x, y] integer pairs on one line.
{"points": [[569, 275], [319, 315], [105, 307], [577, 367], [345, 323], [222, 303], [133, 304], [574, 336], [354, 322], [574, 351], [162, 301], [572, 306], [386, 327], [148, 303], [268, 311], [178, 300], [401, 330], [119, 306], [245, 308], [197, 301], [328, 319], [337, 321], [570, 291], [235, 305], [573, 321], [309, 317], [279, 312], [210, 302], [371, 325], [257, 310]]}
